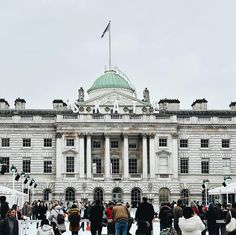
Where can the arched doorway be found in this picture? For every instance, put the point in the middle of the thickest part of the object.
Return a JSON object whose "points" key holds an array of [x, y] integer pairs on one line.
{"points": [[70, 194], [185, 196], [117, 195], [98, 194], [47, 194], [164, 195], [135, 197]]}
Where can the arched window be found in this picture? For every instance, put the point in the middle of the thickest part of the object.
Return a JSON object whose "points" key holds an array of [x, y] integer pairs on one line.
{"points": [[185, 196], [135, 197], [117, 195], [70, 195], [46, 194], [164, 195], [98, 194]]}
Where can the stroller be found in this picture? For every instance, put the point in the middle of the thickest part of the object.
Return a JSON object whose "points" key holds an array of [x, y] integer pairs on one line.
{"points": [[143, 228]]}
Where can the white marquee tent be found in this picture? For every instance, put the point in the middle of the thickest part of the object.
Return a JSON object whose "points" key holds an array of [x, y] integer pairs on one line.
{"points": [[13, 196], [229, 189], [215, 191]]}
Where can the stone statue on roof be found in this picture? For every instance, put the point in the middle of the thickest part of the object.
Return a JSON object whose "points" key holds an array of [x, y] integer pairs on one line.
{"points": [[81, 94], [146, 97]]}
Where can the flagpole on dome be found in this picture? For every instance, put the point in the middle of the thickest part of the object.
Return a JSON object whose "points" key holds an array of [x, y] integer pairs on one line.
{"points": [[108, 28]]}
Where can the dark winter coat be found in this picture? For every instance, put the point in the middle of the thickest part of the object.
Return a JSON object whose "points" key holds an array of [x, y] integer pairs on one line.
{"points": [[211, 216], [76, 212], [5, 229], [4, 209], [96, 214], [145, 211], [41, 212], [166, 216]]}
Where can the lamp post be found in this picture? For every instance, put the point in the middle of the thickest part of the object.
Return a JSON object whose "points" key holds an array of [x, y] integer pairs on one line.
{"points": [[227, 180], [205, 186], [13, 170]]}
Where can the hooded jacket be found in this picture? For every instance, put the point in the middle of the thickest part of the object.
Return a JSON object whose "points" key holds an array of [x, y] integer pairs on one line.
{"points": [[45, 230], [191, 226]]}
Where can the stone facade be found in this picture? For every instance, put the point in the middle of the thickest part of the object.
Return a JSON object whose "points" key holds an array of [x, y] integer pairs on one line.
{"points": [[116, 146]]}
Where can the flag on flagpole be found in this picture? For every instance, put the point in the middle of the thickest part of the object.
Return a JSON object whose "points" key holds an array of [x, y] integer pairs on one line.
{"points": [[106, 29]]}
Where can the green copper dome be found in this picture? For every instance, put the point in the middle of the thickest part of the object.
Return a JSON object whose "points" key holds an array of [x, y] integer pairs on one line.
{"points": [[110, 79]]}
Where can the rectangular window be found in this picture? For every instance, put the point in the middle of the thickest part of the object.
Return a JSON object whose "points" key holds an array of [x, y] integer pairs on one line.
{"points": [[26, 142], [47, 167], [70, 142], [132, 145], [226, 165], [5, 142], [114, 144], [47, 142], [133, 166], [70, 164], [115, 166], [26, 166], [183, 143], [96, 144], [204, 143], [225, 143], [184, 165], [97, 166], [5, 160], [162, 142], [163, 165], [205, 166]]}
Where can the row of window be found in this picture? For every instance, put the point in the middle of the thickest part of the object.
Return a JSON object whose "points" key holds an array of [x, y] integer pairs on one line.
{"points": [[204, 143], [70, 142], [47, 142], [117, 194], [26, 142], [205, 166], [26, 165]]}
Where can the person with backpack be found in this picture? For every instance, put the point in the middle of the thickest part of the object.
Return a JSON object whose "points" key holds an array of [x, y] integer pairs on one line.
{"points": [[74, 219], [57, 216]]}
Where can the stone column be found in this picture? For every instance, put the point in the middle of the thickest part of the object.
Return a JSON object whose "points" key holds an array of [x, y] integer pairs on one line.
{"points": [[89, 157], [152, 156], [58, 155], [107, 157], [126, 157], [81, 156], [144, 156], [175, 155]]}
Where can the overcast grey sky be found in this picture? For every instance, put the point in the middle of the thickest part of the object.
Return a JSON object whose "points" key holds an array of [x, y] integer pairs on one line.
{"points": [[175, 48]]}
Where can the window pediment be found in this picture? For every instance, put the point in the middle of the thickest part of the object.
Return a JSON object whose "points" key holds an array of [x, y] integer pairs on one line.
{"points": [[163, 152], [70, 151]]}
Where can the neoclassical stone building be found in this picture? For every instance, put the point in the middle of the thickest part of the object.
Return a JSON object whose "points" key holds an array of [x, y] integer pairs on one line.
{"points": [[115, 146]]}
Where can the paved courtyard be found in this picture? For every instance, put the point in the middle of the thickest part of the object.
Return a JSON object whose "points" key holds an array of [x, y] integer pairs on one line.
{"points": [[29, 228]]}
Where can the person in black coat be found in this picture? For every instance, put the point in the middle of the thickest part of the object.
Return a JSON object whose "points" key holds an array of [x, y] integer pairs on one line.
{"points": [[211, 216], [4, 207], [145, 212], [165, 216], [9, 226], [41, 211], [96, 217], [228, 217]]}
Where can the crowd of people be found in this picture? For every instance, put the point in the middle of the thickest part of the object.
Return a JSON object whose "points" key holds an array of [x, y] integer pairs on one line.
{"points": [[175, 218], [196, 219]]}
